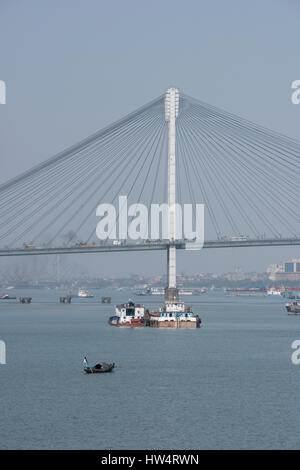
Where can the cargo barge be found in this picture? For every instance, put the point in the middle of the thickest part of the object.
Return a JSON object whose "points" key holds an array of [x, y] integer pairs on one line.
{"points": [[252, 292], [173, 314]]}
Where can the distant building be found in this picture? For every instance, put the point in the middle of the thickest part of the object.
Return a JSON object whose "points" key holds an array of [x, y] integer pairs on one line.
{"points": [[289, 271]]}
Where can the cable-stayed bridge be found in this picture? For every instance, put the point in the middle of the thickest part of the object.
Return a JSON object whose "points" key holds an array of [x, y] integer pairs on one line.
{"points": [[247, 177]]}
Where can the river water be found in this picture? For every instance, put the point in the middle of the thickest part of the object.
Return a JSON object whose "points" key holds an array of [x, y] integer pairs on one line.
{"points": [[230, 384]]}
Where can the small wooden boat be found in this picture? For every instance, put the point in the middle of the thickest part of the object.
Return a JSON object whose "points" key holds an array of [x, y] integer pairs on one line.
{"points": [[100, 368]]}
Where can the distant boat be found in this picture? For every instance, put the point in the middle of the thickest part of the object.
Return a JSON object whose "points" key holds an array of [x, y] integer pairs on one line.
{"points": [[156, 291], [251, 292], [291, 293], [273, 291], [161, 291], [203, 290], [293, 308], [246, 292], [6, 297], [151, 291], [185, 292], [83, 294]]}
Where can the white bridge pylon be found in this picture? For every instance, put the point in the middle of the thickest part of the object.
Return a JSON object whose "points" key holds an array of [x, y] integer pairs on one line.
{"points": [[171, 113]]}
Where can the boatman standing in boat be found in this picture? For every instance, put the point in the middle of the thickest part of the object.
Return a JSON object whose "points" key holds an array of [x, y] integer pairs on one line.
{"points": [[85, 362]]}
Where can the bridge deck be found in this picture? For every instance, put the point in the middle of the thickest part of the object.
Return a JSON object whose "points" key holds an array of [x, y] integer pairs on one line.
{"points": [[145, 247]]}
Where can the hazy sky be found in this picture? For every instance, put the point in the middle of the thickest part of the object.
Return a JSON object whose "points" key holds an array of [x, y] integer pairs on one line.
{"points": [[73, 66]]}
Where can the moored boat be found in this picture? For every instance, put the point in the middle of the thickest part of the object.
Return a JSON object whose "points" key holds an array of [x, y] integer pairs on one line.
{"points": [[151, 291], [174, 315], [185, 292], [293, 308], [252, 292], [7, 297], [274, 291], [128, 315], [83, 294]]}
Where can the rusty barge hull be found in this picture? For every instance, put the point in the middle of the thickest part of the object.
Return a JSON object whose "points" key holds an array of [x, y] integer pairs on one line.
{"points": [[159, 324], [128, 325], [174, 324]]}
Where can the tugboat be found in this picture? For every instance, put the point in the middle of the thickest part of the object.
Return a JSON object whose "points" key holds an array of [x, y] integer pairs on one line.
{"points": [[128, 315], [293, 308], [174, 314]]}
